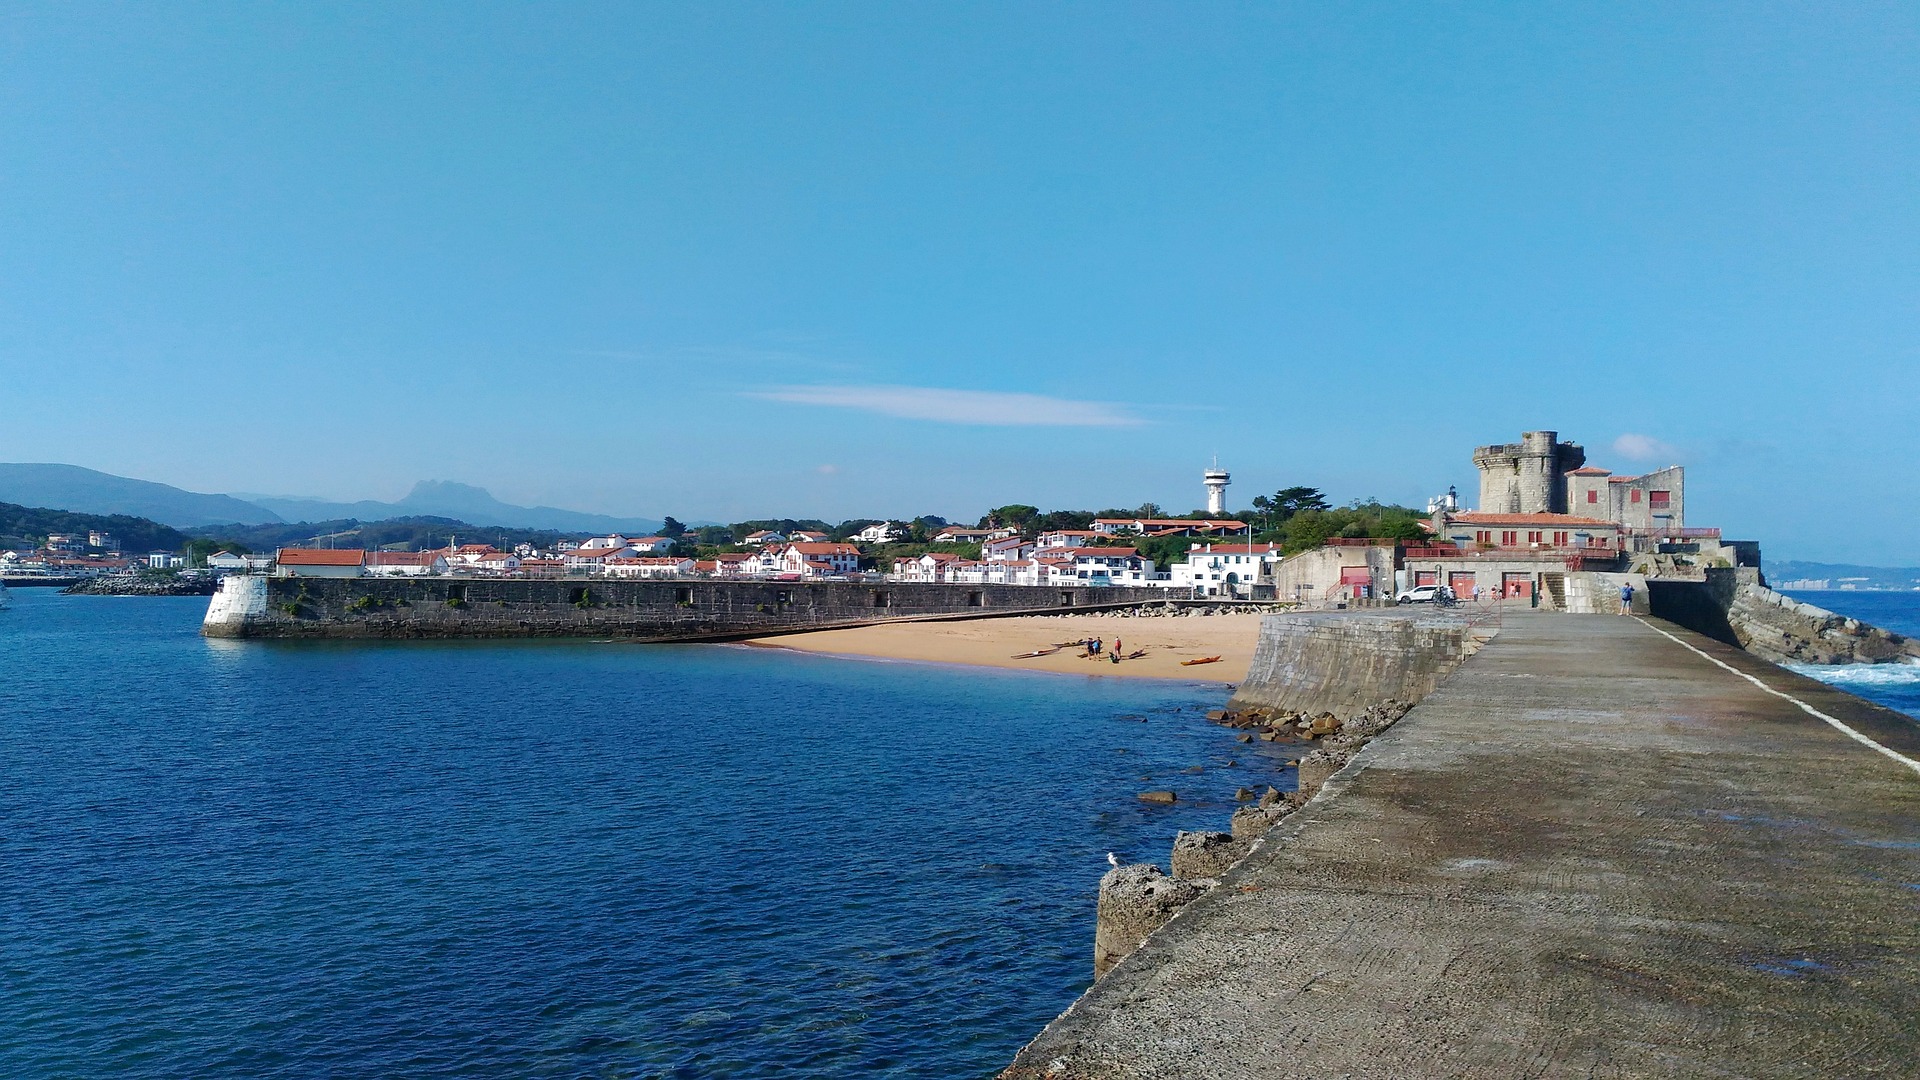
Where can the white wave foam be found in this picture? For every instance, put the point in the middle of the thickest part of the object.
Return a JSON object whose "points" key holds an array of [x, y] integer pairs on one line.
{"points": [[1862, 674]]}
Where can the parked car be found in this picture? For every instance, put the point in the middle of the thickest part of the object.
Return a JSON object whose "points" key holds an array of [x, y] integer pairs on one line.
{"points": [[1419, 594]]}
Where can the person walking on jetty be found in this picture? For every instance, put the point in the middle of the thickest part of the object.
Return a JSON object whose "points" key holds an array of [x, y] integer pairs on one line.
{"points": [[1626, 598]]}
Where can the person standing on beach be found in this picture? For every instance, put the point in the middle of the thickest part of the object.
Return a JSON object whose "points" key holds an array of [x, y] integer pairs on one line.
{"points": [[1117, 648], [1626, 598]]}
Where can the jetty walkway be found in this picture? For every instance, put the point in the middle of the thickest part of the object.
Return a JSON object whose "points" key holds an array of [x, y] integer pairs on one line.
{"points": [[1592, 852]]}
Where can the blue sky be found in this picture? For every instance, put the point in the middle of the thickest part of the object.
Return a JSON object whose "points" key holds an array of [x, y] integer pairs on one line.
{"points": [[863, 260]]}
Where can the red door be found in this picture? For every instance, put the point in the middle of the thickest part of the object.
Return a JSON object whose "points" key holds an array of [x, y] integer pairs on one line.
{"points": [[1426, 577], [1516, 585], [1462, 585]]}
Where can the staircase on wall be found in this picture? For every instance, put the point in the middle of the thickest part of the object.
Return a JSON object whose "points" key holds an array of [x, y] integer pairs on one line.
{"points": [[1555, 585]]}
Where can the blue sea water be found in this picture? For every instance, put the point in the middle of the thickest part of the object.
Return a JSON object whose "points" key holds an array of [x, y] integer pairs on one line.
{"points": [[1897, 686], [554, 859]]}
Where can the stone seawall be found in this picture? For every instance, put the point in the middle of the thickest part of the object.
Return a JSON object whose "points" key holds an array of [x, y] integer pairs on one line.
{"points": [[1327, 682], [258, 607], [1344, 663], [1732, 606]]}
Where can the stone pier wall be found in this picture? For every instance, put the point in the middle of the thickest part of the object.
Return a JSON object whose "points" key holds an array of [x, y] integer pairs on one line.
{"points": [[597, 607], [1343, 663], [1732, 606]]}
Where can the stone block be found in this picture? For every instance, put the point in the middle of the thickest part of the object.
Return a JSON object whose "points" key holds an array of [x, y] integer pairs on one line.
{"points": [[1205, 854]]}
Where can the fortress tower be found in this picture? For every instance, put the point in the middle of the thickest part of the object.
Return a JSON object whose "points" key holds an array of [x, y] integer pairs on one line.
{"points": [[1216, 480], [1527, 477]]}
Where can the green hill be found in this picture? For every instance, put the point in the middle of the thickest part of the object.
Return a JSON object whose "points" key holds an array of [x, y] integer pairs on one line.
{"points": [[29, 526]]}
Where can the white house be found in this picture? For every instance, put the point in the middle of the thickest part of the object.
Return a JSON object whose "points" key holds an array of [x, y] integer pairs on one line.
{"points": [[592, 560], [954, 534], [1225, 569], [932, 567], [802, 536], [1100, 565], [1065, 538], [650, 545], [735, 564], [647, 566], [1005, 548], [818, 560], [165, 560], [765, 537], [227, 562], [496, 562], [402, 563], [884, 532]]}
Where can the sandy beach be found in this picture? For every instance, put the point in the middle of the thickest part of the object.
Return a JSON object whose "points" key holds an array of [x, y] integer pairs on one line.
{"points": [[996, 642]]}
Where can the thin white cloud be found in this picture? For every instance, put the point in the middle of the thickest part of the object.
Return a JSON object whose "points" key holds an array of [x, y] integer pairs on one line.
{"points": [[1644, 448], [987, 407]]}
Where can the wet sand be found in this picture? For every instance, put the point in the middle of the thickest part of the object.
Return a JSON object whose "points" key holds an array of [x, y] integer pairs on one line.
{"points": [[994, 643]]}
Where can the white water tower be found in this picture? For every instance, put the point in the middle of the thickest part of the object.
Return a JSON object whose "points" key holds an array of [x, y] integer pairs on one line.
{"points": [[1217, 480]]}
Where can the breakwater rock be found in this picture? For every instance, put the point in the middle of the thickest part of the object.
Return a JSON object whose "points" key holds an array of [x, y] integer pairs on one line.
{"points": [[142, 585], [705, 610], [1733, 606]]}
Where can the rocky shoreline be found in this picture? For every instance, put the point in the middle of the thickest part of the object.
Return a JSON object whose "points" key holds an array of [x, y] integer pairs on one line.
{"points": [[142, 585], [1136, 899]]}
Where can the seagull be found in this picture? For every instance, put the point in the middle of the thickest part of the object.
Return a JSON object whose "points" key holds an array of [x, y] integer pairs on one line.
{"points": [[1112, 859]]}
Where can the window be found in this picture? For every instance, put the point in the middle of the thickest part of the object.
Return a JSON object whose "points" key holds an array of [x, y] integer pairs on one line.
{"points": [[1509, 539], [975, 598], [879, 598], [1559, 539], [1636, 494], [1484, 536], [1593, 496], [683, 596], [1659, 500], [1533, 537]]}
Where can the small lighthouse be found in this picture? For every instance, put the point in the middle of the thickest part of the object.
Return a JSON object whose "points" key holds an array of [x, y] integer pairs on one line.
{"points": [[1217, 480]]}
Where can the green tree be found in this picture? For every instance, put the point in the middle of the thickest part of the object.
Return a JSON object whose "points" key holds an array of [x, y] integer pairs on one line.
{"points": [[1011, 516], [672, 529]]}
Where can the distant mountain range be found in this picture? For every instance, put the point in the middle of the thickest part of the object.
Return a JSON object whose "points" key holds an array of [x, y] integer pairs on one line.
{"points": [[1837, 575], [72, 488], [446, 499], [84, 491]]}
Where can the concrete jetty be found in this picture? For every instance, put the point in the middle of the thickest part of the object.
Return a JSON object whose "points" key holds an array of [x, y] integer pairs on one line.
{"points": [[1593, 851]]}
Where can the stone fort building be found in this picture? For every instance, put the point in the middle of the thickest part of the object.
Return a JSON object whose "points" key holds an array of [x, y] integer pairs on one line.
{"points": [[1542, 475]]}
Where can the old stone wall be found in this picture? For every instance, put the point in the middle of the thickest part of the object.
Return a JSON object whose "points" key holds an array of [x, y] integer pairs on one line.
{"points": [[598, 607], [1594, 593], [1342, 663]]}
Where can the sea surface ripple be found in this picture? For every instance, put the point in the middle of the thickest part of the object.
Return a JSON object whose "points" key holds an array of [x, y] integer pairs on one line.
{"points": [[244, 859]]}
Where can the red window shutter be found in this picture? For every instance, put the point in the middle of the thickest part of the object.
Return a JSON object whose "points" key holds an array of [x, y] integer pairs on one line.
{"points": [[1593, 496], [1659, 500], [1636, 494]]}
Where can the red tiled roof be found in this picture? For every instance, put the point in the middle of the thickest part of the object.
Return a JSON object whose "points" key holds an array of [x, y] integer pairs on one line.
{"points": [[1561, 520], [321, 557], [400, 558], [825, 549], [1591, 471]]}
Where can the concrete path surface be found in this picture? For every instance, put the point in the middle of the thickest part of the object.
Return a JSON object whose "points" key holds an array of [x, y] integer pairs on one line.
{"points": [[1592, 852]]}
